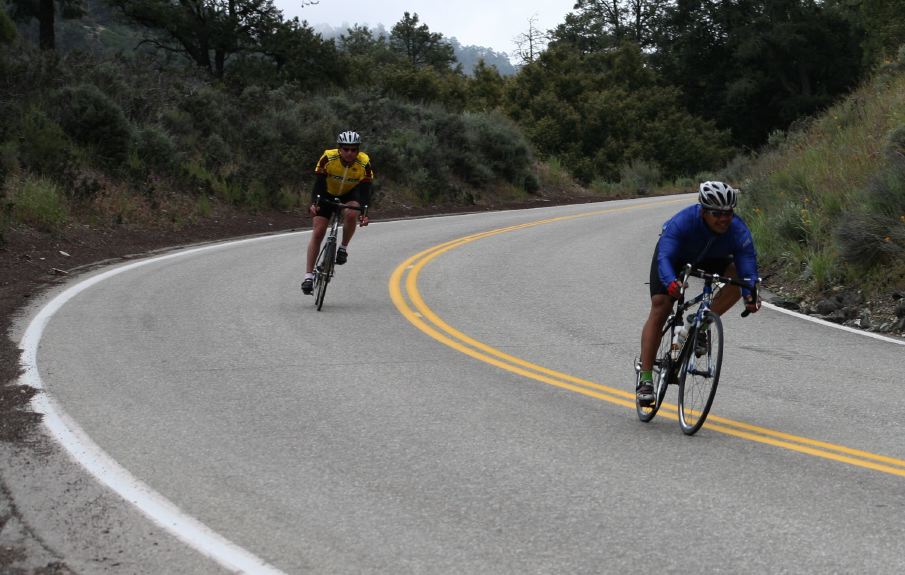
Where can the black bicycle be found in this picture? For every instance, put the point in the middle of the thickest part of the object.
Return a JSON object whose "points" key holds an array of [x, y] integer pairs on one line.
{"points": [[326, 259], [691, 357]]}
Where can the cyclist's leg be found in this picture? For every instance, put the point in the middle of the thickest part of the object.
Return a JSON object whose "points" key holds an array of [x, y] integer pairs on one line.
{"points": [[350, 222], [350, 217], [318, 230], [660, 308]]}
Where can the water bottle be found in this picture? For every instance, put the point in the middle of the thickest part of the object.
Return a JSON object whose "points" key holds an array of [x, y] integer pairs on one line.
{"points": [[683, 335]]}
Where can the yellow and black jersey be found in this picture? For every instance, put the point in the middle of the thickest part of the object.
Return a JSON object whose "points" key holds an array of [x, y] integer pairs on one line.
{"points": [[341, 178]]}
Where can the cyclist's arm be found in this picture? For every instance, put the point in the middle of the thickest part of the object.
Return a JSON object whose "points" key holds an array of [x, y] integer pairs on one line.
{"points": [[364, 193], [677, 238], [320, 187], [746, 258], [667, 248]]}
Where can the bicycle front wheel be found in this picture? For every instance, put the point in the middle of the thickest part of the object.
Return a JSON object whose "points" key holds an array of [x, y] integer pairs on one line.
{"points": [[663, 369], [323, 270], [700, 374]]}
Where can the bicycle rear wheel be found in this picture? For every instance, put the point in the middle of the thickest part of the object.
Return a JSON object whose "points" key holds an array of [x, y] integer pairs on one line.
{"points": [[700, 373], [663, 369], [323, 271]]}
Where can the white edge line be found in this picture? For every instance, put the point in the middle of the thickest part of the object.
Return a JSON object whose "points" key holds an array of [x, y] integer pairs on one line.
{"points": [[834, 325], [107, 471]]}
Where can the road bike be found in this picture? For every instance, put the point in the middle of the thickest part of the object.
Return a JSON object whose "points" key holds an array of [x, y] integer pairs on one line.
{"points": [[326, 259], [691, 357]]}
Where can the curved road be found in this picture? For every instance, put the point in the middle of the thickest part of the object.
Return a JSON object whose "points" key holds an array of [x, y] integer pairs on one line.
{"points": [[461, 405]]}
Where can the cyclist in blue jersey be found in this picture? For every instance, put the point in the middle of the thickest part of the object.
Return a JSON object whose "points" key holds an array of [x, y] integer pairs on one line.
{"points": [[711, 237]]}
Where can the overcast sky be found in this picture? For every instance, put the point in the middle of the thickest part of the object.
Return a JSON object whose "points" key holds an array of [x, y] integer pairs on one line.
{"points": [[489, 23]]}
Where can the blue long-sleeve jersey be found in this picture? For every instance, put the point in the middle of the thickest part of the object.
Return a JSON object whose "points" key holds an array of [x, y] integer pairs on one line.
{"points": [[685, 238]]}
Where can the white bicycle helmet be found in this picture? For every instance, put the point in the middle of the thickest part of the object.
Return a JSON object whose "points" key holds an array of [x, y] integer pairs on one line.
{"points": [[717, 196], [348, 138]]}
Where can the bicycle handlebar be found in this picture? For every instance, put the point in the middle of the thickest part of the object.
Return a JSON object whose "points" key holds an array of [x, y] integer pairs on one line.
{"points": [[320, 200], [744, 282]]}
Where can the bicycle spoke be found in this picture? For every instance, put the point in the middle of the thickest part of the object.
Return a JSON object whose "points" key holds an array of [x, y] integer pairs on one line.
{"points": [[323, 269], [700, 374], [663, 366]]}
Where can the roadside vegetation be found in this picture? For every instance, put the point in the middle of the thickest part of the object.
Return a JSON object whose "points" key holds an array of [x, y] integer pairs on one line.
{"points": [[153, 114], [826, 199]]}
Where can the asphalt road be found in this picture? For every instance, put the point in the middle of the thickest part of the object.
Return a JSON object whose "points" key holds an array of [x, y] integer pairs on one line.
{"points": [[459, 407]]}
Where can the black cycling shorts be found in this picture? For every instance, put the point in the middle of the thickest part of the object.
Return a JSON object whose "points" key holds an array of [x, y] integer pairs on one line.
{"points": [[325, 209], [709, 265]]}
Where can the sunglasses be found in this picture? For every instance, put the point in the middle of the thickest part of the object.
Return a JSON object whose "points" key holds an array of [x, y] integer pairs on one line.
{"points": [[345, 149], [720, 213]]}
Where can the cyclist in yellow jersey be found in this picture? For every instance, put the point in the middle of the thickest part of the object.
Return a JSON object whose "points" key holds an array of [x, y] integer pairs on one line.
{"points": [[343, 174]]}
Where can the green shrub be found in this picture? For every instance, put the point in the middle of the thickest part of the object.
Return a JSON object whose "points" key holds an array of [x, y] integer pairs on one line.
{"points": [[228, 190], [885, 194], [868, 240], [282, 140], [406, 153], [289, 198], [156, 148], [608, 190], [496, 143], [39, 203], [9, 160], [212, 112], [794, 223], [640, 177], [7, 29], [553, 176], [177, 122], [766, 239], [735, 170], [532, 183], [217, 152], [44, 147], [91, 118], [112, 80], [895, 149], [776, 139], [821, 269], [194, 177], [257, 195]]}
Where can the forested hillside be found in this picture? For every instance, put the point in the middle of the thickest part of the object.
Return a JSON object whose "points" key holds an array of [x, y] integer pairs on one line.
{"points": [[147, 112]]}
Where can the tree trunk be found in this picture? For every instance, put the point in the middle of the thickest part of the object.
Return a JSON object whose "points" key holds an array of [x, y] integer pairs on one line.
{"points": [[47, 39], [219, 62]]}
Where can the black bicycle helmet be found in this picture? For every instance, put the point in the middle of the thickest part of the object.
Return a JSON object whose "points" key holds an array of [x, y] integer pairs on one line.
{"points": [[717, 196]]}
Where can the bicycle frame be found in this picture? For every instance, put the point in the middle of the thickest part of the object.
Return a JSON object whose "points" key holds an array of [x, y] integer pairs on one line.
{"points": [[323, 269], [704, 298], [681, 359]]}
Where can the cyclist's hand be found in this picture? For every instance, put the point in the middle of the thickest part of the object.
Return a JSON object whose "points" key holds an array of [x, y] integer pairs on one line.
{"points": [[363, 220], [752, 305], [674, 289], [312, 209]]}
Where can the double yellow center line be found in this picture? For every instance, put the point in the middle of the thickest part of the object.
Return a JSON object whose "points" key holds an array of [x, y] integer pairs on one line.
{"points": [[403, 287]]}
